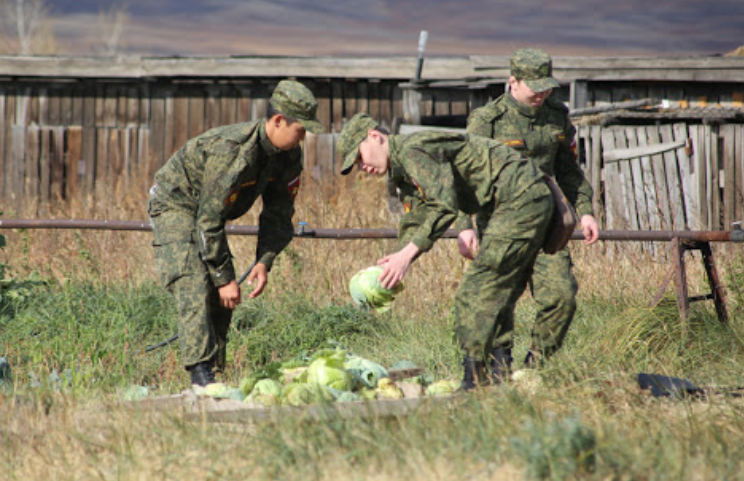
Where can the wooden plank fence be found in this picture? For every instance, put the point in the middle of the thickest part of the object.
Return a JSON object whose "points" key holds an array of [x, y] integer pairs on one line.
{"points": [[669, 177]]}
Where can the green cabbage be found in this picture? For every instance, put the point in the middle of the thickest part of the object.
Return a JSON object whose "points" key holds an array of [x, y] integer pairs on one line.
{"points": [[304, 394], [365, 372], [367, 292], [443, 388], [387, 389], [329, 371]]}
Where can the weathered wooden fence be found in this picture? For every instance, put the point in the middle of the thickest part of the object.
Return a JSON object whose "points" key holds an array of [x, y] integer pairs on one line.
{"points": [[65, 142], [675, 176]]}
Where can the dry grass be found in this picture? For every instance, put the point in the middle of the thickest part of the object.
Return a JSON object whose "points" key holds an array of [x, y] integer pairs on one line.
{"points": [[318, 267]]}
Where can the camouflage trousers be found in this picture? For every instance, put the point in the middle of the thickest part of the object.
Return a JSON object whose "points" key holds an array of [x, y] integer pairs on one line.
{"points": [[202, 323], [491, 286], [554, 289]]}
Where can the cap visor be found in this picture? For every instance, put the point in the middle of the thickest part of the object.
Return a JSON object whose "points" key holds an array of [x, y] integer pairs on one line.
{"points": [[350, 161], [542, 84], [312, 126]]}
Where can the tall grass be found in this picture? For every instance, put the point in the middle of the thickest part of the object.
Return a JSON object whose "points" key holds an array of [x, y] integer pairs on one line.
{"points": [[76, 343]]}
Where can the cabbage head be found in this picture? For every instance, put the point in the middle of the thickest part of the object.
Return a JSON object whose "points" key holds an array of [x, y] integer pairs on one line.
{"points": [[365, 372], [297, 394], [444, 387], [329, 371], [367, 292], [386, 389]]}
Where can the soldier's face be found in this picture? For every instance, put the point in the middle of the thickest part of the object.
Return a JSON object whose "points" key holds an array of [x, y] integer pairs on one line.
{"points": [[373, 154], [286, 136], [525, 95]]}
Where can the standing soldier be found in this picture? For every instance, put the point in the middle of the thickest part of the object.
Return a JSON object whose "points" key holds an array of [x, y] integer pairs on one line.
{"points": [[213, 178], [534, 124], [453, 173]]}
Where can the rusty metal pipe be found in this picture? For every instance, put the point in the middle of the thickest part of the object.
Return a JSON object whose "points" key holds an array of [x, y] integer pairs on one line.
{"points": [[736, 235]]}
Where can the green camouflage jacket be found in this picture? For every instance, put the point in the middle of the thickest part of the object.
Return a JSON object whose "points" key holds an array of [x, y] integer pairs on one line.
{"points": [[452, 173], [543, 134], [217, 176]]}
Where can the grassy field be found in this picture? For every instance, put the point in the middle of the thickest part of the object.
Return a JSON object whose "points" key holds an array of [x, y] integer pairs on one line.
{"points": [[79, 307]]}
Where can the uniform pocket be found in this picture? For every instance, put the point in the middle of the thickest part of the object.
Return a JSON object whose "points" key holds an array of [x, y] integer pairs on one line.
{"points": [[503, 255], [174, 260]]}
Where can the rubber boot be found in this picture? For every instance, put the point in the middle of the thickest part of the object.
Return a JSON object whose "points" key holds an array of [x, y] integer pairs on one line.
{"points": [[201, 373], [472, 374], [499, 364]]}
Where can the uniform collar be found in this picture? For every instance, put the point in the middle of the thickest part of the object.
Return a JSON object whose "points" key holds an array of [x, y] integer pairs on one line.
{"points": [[265, 142], [525, 110]]}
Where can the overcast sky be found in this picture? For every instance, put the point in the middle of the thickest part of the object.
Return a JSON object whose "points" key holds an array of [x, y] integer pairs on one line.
{"points": [[391, 27]]}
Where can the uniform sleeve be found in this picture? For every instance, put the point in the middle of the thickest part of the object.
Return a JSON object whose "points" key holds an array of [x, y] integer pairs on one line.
{"points": [[436, 182], [479, 123], [221, 172], [569, 175], [275, 230]]}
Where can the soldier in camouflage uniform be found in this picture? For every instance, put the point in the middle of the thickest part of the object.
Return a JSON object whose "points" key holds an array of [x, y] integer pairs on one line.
{"points": [[537, 126], [452, 173], [213, 178]]}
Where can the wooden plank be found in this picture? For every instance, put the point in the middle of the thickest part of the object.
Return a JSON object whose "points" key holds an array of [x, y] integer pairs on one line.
{"points": [[654, 180], [145, 96], [23, 104], [121, 106], [244, 102], [43, 106], [196, 113], [309, 159], [399, 111], [337, 102], [739, 170], [728, 135], [362, 96], [350, 99], [640, 151], [386, 104], [212, 107], [74, 154], [89, 139], [143, 148], [701, 173], [714, 186], [322, 91], [115, 160], [3, 144], [110, 106], [45, 164], [228, 105], [674, 198], [31, 178], [614, 208], [325, 151], [633, 182], [687, 170], [17, 167], [156, 147], [596, 178], [180, 119], [102, 175], [373, 89], [58, 164], [133, 106]]}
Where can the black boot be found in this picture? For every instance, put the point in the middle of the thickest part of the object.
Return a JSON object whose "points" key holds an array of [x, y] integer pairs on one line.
{"points": [[472, 374], [499, 364], [201, 373]]}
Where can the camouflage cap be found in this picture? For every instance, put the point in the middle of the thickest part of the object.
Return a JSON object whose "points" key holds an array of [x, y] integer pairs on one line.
{"points": [[535, 67], [294, 100], [353, 133]]}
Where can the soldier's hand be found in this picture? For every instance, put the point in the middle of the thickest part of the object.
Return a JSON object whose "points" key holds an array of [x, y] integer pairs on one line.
{"points": [[396, 265], [590, 229], [230, 295], [467, 243], [260, 274]]}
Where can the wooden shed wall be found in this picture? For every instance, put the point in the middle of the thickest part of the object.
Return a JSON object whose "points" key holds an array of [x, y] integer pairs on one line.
{"points": [[59, 140]]}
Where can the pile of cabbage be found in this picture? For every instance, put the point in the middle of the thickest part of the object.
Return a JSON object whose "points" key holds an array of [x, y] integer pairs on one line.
{"points": [[330, 375]]}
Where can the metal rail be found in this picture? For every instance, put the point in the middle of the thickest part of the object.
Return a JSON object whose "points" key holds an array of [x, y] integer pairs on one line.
{"points": [[736, 235]]}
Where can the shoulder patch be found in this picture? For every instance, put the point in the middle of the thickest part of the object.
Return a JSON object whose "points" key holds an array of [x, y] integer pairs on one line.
{"points": [[293, 187]]}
